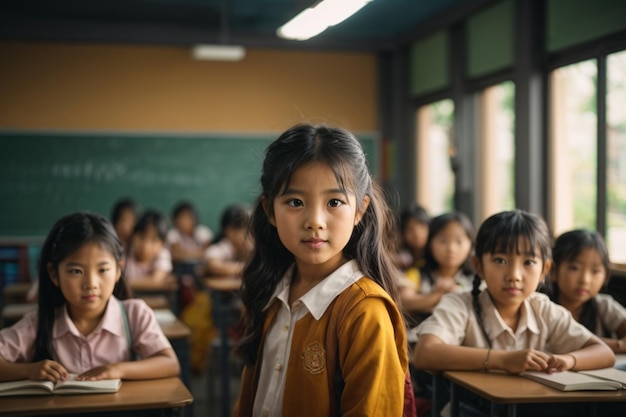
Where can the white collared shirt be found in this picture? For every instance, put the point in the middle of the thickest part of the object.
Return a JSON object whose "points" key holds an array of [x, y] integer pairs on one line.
{"points": [[269, 396], [543, 325]]}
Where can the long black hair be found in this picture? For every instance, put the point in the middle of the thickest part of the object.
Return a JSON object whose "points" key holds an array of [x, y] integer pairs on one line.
{"points": [[566, 248], [372, 240], [501, 233], [68, 235]]}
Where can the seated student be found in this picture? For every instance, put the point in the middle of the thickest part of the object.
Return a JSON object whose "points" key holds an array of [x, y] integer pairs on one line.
{"points": [[187, 240], [447, 263], [581, 270], [83, 313], [414, 222], [510, 326], [148, 258], [124, 217], [226, 257]]}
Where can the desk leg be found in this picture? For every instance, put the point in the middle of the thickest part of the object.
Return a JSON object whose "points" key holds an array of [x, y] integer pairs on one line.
{"points": [[439, 395], [221, 318], [454, 400]]}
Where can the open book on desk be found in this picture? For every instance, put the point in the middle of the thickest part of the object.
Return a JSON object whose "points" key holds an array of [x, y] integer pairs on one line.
{"points": [[71, 386], [580, 381]]}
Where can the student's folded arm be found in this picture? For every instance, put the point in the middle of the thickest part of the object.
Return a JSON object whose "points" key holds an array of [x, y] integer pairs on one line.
{"points": [[432, 354], [418, 302], [43, 370], [160, 365], [219, 267], [594, 354], [158, 275]]}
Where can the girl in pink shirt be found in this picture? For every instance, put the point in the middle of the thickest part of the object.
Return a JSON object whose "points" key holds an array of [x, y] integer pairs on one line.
{"points": [[81, 326]]}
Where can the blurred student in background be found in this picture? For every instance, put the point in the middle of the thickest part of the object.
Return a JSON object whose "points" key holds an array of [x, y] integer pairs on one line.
{"points": [[124, 216], [581, 269], [187, 240], [447, 262], [227, 256], [413, 236], [148, 258]]}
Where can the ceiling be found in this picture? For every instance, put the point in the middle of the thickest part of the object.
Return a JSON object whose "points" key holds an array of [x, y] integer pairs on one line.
{"points": [[381, 24]]}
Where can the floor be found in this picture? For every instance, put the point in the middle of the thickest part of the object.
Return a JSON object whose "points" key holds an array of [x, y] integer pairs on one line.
{"points": [[206, 392]]}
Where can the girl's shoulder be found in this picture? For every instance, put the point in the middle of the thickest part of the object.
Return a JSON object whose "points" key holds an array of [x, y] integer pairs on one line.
{"points": [[543, 306], [606, 303]]}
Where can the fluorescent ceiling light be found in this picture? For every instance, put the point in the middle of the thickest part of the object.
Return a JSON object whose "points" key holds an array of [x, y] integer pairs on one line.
{"points": [[314, 20], [218, 52]]}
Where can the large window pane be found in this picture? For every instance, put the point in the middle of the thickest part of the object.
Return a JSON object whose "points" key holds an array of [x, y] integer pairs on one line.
{"points": [[497, 153], [616, 156], [574, 147], [435, 178]]}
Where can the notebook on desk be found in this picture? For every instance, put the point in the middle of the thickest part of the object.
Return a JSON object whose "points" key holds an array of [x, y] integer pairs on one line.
{"points": [[71, 386], [598, 380]]}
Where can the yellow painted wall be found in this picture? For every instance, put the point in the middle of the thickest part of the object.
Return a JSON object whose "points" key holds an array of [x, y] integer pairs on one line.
{"points": [[128, 87]]}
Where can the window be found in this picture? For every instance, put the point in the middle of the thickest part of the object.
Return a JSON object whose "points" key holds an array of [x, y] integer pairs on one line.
{"points": [[497, 149], [616, 157], [435, 149], [574, 143]]}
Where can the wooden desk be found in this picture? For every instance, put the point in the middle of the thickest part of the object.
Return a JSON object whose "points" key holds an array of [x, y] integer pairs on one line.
{"points": [[163, 393], [156, 302], [12, 313], [511, 390], [16, 293], [147, 287], [220, 288], [223, 283]]}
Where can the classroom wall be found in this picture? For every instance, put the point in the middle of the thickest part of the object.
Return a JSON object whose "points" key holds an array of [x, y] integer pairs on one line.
{"points": [[127, 87]]}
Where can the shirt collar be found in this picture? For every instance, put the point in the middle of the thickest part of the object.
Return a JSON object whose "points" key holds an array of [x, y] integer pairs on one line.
{"points": [[112, 321], [495, 325], [318, 298]]}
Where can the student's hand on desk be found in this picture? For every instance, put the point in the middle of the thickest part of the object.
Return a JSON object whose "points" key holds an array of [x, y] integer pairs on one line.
{"points": [[560, 363], [525, 360], [111, 371], [46, 370]]}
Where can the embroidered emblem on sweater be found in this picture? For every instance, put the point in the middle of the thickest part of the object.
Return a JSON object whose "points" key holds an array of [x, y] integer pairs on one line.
{"points": [[314, 357]]}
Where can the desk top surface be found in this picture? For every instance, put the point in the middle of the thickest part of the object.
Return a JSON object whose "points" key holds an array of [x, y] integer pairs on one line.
{"points": [[148, 285], [133, 395], [223, 283], [508, 388]]}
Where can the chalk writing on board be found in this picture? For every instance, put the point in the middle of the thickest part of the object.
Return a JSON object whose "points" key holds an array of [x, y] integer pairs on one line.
{"points": [[119, 171]]}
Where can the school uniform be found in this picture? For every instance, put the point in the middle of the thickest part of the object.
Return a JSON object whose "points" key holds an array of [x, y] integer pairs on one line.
{"points": [[106, 344], [222, 250], [543, 325], [294, 373], [200, 237], [136, 270], [610, 314]]}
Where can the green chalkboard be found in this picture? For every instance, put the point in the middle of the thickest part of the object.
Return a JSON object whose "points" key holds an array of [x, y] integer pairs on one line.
{"points": [[47, 175]]}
